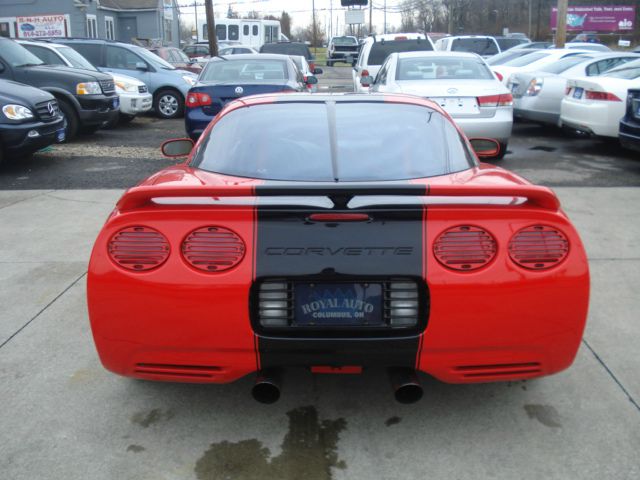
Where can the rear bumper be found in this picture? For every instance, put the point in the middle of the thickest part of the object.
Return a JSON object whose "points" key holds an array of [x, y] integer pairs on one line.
{"points": [[536, 109], [16, 139], [195, 122], [596, 118], [497, 127]]}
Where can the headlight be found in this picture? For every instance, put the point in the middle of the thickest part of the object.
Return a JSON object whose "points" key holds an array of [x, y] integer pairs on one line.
{"points": [[17, 112], [88, 88], [535, 85], [189, 79], [126, 87]]}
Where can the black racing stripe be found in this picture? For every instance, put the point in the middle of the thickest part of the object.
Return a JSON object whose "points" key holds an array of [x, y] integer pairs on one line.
{"points": [[290, 246]]}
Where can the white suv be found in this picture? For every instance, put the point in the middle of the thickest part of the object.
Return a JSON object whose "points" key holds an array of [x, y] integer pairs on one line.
{"points": [[377, 48], [480, 44]]}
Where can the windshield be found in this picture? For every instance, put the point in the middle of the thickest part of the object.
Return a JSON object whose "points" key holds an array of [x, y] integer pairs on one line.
{"points": [[382, 49], [16, 55], [481, 46], [292, 141], [153, 58], [564, 64], [75, 59], [507, 43], [244, 71], [526, 60], [438, 68], [627, 73], [344, 41], [502, 58]]}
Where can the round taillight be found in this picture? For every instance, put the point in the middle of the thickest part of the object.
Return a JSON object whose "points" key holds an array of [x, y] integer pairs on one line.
{"points": [[139, 248], [538, 247], [465, 248], [213, 249]]}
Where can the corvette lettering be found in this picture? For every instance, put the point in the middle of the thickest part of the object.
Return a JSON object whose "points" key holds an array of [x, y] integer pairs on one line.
{"points": [[334, 252]]}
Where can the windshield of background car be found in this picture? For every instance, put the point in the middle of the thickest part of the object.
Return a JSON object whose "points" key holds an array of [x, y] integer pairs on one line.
{"points": [[344, 41], [292, 142], [439, 68], [507, 43], [481, 46], [627, 73], [502, 58], [16, 55], [75, 59], [526, 60], [286, 49], [382, 49], [245, 71], [153, 58], [564, 64]]}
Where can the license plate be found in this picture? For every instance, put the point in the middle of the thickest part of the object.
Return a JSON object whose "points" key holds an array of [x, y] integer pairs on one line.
{"points": [[116, 103], [61, 135], [453, 105], [338, 304], [577, 93]]}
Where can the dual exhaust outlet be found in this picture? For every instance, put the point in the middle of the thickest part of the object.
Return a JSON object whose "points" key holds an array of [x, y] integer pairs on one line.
{"points": [[404, 382]]}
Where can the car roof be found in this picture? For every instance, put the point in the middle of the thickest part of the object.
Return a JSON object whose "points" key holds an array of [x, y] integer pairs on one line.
{"points": [[393, 36], [471, 36], [252, 56], [436, 53]]}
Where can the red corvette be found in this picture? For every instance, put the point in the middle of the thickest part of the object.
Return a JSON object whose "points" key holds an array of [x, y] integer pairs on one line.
{"points": [[343, 232]]}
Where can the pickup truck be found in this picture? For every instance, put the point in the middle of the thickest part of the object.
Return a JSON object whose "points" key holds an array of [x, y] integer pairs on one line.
{"points": [[342, 49], [88, 100]]}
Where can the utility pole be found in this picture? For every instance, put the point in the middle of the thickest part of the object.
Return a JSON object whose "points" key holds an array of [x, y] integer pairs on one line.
{"points": [[195, 13], [561, 24], [211, 28], [315, 33], [370, 17], [385, 16], [529, 31], [331, 20]]}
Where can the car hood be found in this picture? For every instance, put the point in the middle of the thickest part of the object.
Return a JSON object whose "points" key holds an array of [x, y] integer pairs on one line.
{"points": [[448, 88], [126, 78], [65, 73], [14, 92]]}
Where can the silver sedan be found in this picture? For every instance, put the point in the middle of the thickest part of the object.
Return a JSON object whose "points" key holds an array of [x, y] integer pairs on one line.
{"points": [[461, 83]]}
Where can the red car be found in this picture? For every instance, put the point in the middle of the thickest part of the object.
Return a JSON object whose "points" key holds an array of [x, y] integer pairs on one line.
{"points": [[177, 58], [345, 232]]}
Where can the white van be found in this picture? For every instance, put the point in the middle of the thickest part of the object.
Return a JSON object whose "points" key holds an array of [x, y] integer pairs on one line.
{"points": [[243, 31], [377, 48]]}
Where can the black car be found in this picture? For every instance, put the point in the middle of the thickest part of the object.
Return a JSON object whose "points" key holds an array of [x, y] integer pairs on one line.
{"points": [[630, 124], [29, 120], [290, 48], [87, 99]]}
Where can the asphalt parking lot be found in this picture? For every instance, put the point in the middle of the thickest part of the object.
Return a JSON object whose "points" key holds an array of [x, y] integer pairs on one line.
{"points": [[65, 417]]}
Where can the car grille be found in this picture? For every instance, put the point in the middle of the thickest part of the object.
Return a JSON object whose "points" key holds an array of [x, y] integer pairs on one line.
{"points": [[107, 86], [46, 113], [142, 89], [405, 306]]}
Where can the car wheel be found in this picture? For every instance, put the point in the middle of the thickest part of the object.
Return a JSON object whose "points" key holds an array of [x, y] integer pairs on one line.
{"points": [[168, 104], [71, 120]]}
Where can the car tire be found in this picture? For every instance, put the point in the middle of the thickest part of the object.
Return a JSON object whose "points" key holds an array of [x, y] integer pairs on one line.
{"points": [[168, 104], [503, 151], [71, 120]]}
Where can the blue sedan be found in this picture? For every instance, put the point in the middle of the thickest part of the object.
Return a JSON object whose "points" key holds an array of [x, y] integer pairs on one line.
{"points": [[229, 77]]}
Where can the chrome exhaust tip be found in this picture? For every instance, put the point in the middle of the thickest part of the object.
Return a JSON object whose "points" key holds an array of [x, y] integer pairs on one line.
{"points": [[405, 384], [267, 387]]}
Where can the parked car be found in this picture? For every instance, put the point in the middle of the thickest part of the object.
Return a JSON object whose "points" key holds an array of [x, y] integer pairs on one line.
{"points": [[537, 95], [305, 69], [532, 62], [227, 78], [586, 37], [507, 43], [290, 48], [594, 47], [630, 124], [511, 54], [134, 95], [177, 58], [534, 45], [29, 120], [199, 51], [484, 46], [342, 49], [168, 85], [236, 50], [87, 99], [300, 234], [461, 83], [377, 48], [595, 105]]}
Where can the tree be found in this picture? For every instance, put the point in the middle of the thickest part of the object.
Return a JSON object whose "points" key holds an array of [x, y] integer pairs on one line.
{"points": [[285, 23], [231, 13]]}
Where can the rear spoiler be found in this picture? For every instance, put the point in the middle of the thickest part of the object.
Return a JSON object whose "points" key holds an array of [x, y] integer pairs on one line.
{"points": [[341, 194]]}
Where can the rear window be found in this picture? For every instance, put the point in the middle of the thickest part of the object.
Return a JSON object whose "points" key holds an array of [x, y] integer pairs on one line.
{"points": [[382, 49], [243, 71], [564, 64], [628, 73], [292, 142], [344, 41], [286, 49], [481, 46], [526, 60], [438, 68], [507, 43]]}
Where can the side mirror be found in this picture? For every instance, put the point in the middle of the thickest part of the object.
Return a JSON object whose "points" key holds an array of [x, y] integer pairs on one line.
{"points": [[366, 81], [318, 71], [485, 147], [142, 66], [177, 147], [311, 80]]}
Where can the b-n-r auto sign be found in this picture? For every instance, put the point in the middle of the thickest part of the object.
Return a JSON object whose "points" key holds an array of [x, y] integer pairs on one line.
{"points": [[41, 26]]}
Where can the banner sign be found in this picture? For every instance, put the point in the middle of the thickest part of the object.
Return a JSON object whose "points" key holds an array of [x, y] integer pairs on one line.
{"points": [[598, 18], [41, 26]]}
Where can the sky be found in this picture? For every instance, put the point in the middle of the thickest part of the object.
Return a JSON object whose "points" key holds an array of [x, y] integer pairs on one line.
{"points": [[300, 10]]}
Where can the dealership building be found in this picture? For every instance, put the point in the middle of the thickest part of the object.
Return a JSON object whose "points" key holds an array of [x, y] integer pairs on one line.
{"points": [[122, 20]]}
